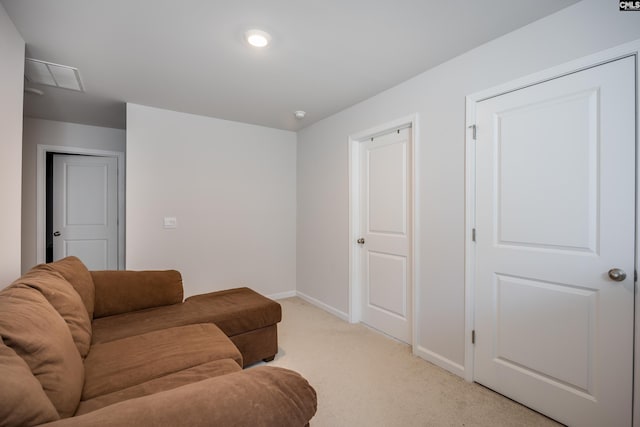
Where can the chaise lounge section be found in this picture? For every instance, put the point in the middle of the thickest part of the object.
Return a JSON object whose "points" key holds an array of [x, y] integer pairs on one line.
{"points": [[124, 308], [122, 348]]}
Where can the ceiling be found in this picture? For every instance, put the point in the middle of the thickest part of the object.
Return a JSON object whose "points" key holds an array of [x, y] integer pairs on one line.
{"points": [[190, 55]]}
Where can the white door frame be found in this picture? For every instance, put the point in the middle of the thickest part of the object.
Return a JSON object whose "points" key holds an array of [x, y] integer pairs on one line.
{"points": [[628, 49], [41, 178], [355, 282]]}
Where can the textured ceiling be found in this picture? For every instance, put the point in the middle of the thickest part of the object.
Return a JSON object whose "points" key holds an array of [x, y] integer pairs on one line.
{"points": [[190, 55]]}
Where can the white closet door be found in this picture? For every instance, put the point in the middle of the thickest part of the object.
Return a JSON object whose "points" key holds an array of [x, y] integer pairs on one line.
{"points": [[555, 177], [85, 210]]}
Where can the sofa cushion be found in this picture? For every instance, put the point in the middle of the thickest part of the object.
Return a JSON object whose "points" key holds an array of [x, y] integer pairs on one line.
{"points": [[39, 335], [76, 273], [123, 291], [167, 382], [24, 403], [64, 298], [235, 311], [120, 364], [257, 397]]}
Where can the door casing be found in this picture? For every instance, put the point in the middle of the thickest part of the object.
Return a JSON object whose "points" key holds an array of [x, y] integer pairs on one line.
{"points": [[41, 176], [355, 283], [628, 49]]}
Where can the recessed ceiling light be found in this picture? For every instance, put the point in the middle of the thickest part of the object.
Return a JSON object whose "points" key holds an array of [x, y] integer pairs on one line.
{"points": [[257, 38], [299, 114]]}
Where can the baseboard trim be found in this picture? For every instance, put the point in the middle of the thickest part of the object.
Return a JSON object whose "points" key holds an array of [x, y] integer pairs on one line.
{"points": [[323, 306], [282, 295], [438, 360], [419, 351]]}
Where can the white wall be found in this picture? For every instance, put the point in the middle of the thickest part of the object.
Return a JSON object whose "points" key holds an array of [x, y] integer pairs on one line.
{"points": [[62, 134], [438, 96], [11, 85], [232, 188]]}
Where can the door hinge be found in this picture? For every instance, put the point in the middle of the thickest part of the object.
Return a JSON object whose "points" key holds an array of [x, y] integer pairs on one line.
{"points": [[473, 234], [473, 131], [473, 336]]}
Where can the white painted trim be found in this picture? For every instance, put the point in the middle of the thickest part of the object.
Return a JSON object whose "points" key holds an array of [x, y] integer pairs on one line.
{"points": [[41, 177], [438, 360], [636, 344], [355, 303], [340, 314], [282, 295], [470, 253], [627, 49], [415, 227], [402, 122]]}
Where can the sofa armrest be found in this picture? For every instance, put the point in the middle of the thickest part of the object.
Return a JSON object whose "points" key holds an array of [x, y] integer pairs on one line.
{"points": [[122, 291], [259, 397]]}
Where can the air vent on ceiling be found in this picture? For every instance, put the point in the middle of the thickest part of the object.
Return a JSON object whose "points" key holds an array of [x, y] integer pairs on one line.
{"points": [[50, 74]]}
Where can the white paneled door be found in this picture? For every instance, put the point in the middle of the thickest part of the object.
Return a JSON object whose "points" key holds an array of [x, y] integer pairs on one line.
{"points": [[385, 242], [85, 210], [555, 198]]}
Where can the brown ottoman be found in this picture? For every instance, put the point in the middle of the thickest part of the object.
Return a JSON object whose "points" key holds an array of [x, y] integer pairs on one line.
{"points": [[248, 318]]}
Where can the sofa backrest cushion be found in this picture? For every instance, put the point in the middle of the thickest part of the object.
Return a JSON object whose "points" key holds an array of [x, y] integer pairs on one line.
{"points": [[24, 403], [76, 273], [38, 334], [126, 290], [64, 298]]}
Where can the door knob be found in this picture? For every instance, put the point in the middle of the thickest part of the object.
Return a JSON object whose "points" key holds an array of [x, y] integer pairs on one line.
{"points": [[56, 234], [361, 241], [617, 275]]}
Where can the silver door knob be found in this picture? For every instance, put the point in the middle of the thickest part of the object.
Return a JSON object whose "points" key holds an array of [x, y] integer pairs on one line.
{"points": [[617, 275], [361, 241]]}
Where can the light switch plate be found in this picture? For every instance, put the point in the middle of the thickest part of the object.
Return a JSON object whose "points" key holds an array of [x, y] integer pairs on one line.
{"points": [[170, 222]]}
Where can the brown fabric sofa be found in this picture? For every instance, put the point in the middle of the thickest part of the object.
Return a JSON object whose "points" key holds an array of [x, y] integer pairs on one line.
{"points": [[120, 348]]}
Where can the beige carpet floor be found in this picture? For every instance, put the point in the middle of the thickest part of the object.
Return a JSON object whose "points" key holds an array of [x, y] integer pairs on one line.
{"points": [[364, 378]]}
